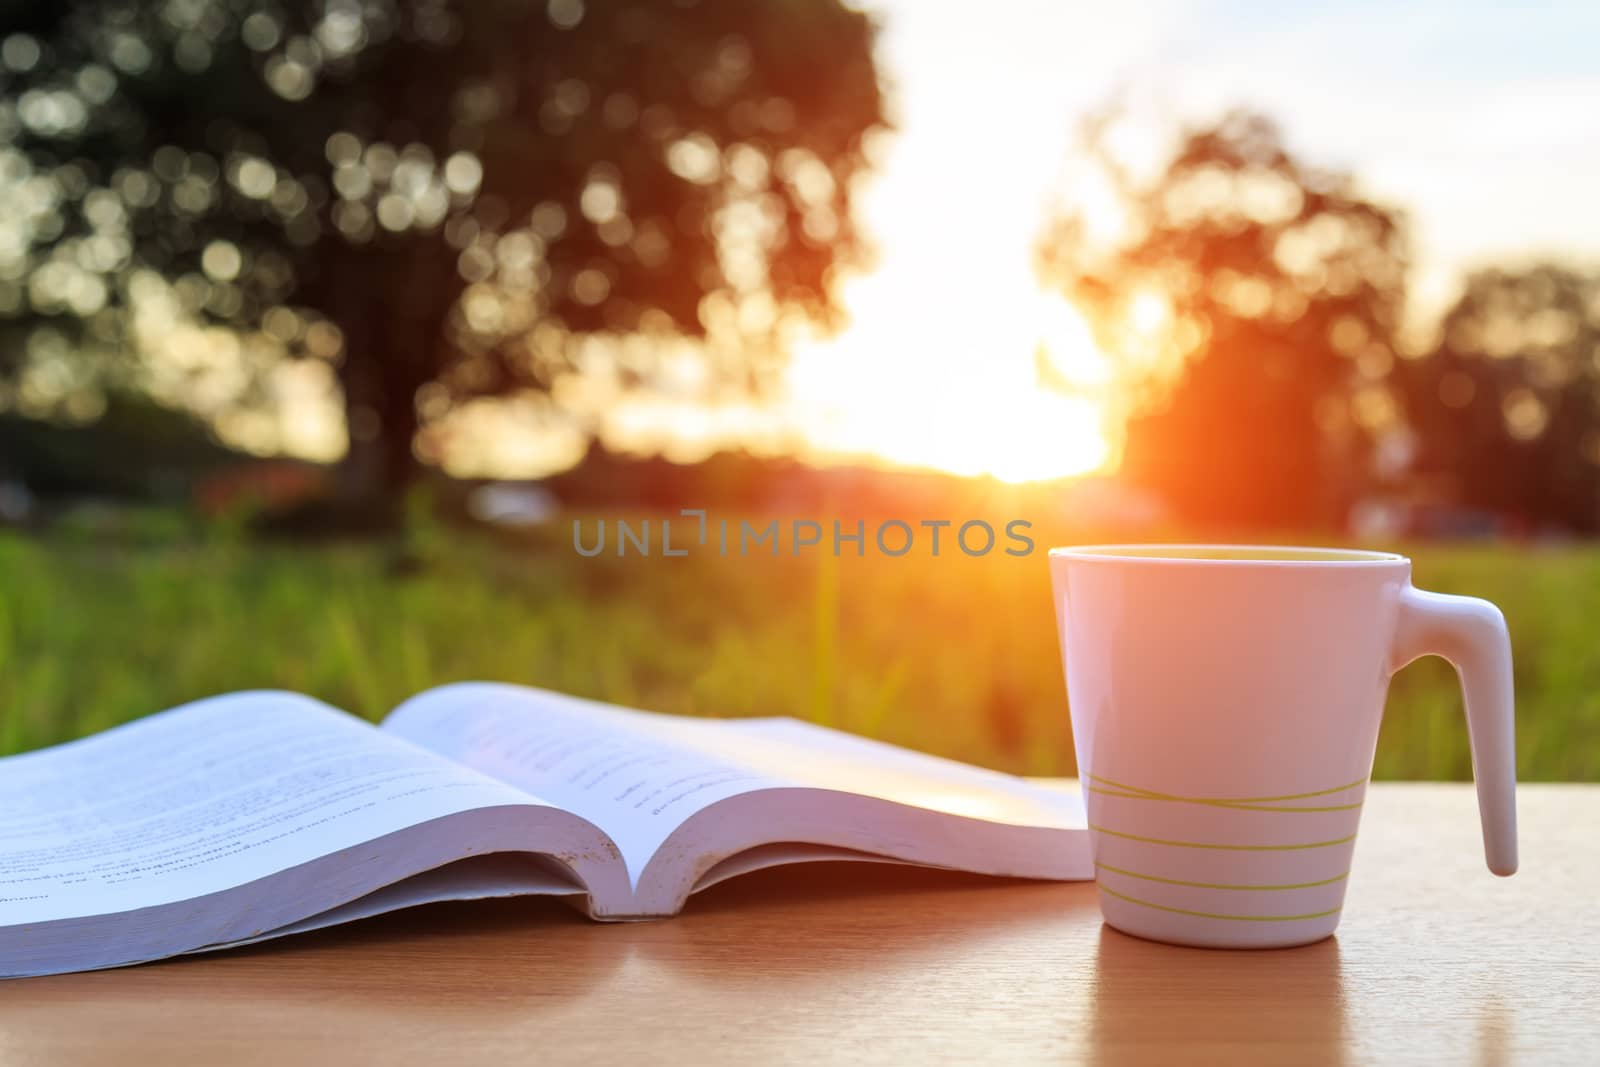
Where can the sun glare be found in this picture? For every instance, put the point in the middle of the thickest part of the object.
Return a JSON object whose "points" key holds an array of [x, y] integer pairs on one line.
{"points": [[953, 357], [969, 395]]}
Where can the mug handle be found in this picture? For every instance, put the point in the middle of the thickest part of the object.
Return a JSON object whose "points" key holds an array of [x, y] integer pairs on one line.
{"points": [[1471, 634]]}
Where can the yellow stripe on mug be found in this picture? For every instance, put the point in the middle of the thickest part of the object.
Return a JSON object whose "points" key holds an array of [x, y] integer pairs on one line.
{"points": [[1131, 792], [1226, 848], [1221, 885], [1218, 915]]}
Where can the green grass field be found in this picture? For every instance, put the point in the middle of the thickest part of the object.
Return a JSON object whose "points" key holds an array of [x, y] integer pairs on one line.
{"points": [[955, 656]]}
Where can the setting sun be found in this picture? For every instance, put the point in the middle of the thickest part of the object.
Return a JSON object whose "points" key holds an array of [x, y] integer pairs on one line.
{"points": [[914, 385], [953, 357]]}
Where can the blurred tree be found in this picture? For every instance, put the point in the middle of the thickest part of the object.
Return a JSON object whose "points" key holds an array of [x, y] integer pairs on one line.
{"points": [[436, 195], [1505, 408], [1250, 301]]}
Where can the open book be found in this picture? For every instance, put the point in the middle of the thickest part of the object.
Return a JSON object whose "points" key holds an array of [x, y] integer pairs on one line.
{"points": [[262, 814]]}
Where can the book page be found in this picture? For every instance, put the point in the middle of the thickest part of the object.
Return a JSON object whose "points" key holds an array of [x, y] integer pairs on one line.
{"points": [[479, 878], [207, 797], [608, 765], [829, 759]]}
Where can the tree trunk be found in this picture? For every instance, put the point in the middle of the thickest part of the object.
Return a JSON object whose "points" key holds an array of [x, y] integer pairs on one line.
{"points": [[383, 370], [393, 333]]}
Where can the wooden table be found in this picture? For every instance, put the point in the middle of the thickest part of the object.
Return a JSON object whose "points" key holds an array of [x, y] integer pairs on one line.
{"points": [[1437, 961]]}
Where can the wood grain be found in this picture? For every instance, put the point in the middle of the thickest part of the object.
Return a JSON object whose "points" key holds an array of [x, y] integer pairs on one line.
{"points": [[1436, 961]]}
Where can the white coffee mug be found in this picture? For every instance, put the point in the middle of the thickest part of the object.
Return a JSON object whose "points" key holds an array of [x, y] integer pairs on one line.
{"points": [[1225, 703]]}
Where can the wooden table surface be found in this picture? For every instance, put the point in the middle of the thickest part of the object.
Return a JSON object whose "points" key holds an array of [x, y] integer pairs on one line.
{"points": [[1437, 961]]}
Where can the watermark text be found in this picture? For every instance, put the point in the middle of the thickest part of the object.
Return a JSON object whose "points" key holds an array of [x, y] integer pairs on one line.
{"points": [[696, 531]]}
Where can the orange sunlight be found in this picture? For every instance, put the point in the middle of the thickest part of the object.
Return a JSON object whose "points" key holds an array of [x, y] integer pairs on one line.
{"points": [[914, 383], [953, 356]]}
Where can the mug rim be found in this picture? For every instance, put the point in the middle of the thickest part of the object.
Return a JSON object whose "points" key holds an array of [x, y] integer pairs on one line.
{"points": [[1228, 555]]}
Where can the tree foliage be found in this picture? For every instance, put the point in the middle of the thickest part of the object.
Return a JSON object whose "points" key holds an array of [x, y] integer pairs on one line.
{"points": [[1505, 408], [442, 192], [1252, 301]]}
